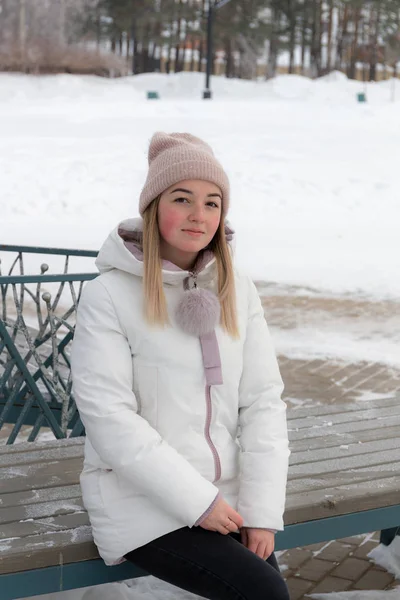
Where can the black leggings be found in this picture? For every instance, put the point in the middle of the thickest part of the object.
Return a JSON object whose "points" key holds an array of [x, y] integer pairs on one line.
{"points": [[212, 565]]}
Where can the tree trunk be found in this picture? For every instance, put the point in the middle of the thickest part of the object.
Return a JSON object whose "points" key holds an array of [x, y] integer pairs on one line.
{"points": [[329, 47], [374, 44], [315, 41], [351, 73], [98, 33], [169, 56], [273, 45], [229, 58], [292, 35], [177, 66], [303, 39], [193, 46], [365, 50], [342, 32]]}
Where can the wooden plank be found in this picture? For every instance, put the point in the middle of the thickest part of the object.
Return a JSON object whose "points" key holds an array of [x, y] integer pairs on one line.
{"points": [[32, 446], [312, 455], [37, 526], [324, 481], [359, 415], [41, 510], [45, 550], [326, 430], [342, 407], [42, 475], [40, 495], [382, 458], [359, 437], [342, 500], [59, 453]]}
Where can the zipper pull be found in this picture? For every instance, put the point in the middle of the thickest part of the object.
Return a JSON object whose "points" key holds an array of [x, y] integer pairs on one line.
{"points": [[194, 277]]}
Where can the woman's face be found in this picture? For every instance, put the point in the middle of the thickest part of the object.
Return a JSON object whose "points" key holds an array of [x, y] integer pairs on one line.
{"points": [[189, 213]]}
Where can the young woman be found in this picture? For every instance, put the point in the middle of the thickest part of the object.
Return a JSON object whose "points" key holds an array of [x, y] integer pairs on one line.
{"points": [[177, 384]]}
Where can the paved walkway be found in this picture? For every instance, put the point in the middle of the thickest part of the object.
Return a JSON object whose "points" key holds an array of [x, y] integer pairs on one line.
{"points": [[342, 564]]}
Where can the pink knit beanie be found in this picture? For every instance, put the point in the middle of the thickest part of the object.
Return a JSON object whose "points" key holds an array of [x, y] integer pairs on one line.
{"points": [[175, 157]]}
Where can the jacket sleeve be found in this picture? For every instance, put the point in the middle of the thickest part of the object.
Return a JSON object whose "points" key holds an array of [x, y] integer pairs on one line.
{"points": [[263, 429], [102, 373]]}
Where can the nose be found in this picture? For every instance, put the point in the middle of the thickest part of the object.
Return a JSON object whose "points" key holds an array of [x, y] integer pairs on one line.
{"points": [[197, 214]]}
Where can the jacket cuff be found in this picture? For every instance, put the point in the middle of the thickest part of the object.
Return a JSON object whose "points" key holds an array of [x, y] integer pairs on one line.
{"points": [[208, 511]]}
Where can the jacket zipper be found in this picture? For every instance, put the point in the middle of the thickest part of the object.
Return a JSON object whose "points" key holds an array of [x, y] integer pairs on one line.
{"points": [[217, 462]]}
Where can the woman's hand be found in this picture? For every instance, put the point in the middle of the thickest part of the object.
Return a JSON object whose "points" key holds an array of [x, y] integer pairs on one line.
{"points": [[222, 518], [259, 541]]}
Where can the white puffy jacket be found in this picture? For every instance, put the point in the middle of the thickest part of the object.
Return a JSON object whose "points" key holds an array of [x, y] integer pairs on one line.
{"points": [[160, 442]]}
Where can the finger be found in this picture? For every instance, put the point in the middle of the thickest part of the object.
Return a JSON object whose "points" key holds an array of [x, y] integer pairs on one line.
{"points": [[236, 518], [252, 545], [269, 549], [232, 526], [243, 536], [261, 549], [222, 529]]}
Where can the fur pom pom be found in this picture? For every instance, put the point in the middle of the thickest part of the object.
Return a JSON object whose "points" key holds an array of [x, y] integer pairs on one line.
{"points": [[198, 312]]}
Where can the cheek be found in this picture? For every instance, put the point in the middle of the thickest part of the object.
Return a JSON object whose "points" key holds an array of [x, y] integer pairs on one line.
{"points": [[169, 222], [213, 223]]}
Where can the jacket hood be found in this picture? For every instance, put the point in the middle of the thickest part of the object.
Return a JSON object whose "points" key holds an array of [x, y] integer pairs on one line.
{"points": [[122, 250]]}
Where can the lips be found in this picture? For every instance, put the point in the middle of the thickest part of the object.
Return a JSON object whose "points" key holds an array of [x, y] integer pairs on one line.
{"points": [[192, 231]]}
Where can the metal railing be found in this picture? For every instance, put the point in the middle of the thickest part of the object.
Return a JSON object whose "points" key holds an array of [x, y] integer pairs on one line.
{"points": [[37, 322]]}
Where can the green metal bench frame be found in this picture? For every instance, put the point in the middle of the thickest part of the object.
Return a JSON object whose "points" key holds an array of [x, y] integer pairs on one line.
{"points": [[26, 404]]}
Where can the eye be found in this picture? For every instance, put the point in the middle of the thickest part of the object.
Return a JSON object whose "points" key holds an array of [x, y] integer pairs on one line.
{"points": [[212, 204], [181, 200]]}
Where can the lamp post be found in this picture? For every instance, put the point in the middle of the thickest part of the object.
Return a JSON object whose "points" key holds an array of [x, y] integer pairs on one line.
{"points": [[212, 6]]}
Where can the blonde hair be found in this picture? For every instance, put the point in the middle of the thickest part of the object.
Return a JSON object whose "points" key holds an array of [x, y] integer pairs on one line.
{"points": [[155, 305]]}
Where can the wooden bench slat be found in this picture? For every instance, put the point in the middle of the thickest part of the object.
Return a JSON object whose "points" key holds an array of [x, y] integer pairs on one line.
{"points": [[359, 415], [65, 492], [41, 509], [47, 549], [342, 406], [342, 500], [38, 456], [24, 446], [42, 475], [306, 456], [383, 459], [352, 426], [325, 481], [37, 526], [344, 438]]}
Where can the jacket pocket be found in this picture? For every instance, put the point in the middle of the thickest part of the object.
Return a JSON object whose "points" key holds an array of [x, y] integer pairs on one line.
{"points": [[145, 387]]}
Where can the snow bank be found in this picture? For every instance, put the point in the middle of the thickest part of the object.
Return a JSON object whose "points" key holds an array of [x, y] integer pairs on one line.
{"points": [[314, 174]]}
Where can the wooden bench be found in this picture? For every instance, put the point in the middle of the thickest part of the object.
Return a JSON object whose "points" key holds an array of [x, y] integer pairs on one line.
{"points": [[344, 479]]}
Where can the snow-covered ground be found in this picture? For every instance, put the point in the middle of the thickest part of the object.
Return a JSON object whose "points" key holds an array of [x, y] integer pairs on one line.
{"points": [[314, 176], [314, 173]]}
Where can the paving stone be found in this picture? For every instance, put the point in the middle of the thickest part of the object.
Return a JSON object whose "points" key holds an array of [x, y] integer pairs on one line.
{"points": [[316, 547], [315, 569], [355, 540], [336, 551], [364, 549], [332, 584], [374, 580], [298, 587], [351, 568], [395, 583], [295, 557]]}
